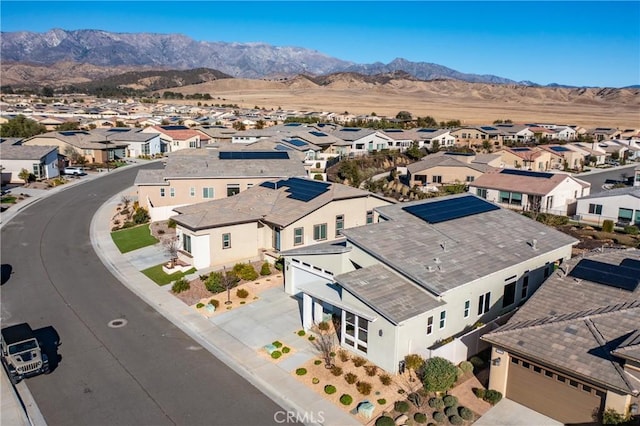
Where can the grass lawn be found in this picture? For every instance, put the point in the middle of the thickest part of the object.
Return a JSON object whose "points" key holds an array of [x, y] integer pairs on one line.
{"points": [[133, 238], [161, 278]]}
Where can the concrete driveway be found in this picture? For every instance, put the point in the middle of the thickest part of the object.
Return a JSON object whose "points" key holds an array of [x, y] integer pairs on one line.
{"points": [[509, 413]]}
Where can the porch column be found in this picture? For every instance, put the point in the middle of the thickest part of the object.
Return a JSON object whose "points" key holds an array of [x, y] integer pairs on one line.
{"points": [[317, 311], [307, 312]]}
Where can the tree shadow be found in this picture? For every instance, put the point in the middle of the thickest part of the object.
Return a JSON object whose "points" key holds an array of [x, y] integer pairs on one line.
{"points": [[5, 273], [49, 341]]}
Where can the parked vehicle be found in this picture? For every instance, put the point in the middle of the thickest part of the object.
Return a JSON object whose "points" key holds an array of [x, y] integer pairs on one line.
{"points": [[22, 355], [74, 170]]}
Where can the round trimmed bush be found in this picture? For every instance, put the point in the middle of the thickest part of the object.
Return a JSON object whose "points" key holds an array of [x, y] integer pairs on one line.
{"points": [[265, 269], [286, 350], [317, 362], [466, 366], [346, 399], [420, 417], [480, 392], [242, 293], [459, 373], [385, 421], [315, 381], [215, 303], [401, 406], [301, 371], [492, 396], [456, 420], [477, 362], [451, 411], [436, 403], [301, 333], [450, 401], [465, 413], [277, 344], [200, 305], [276, 354], [382, 401], [330, 389], [439, 417], [312, 338], [180, 285]]}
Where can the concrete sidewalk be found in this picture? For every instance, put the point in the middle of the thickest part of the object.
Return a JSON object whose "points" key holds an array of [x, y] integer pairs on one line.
{"points": [[233, 338]]}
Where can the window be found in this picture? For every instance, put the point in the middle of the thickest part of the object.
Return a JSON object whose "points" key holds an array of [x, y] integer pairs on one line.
{"points": [[339, 224], [193, 144], [437, 179], [573, 383], [207, 192], [356, 331], [233, 189], [561, 378], [145, 149], [162, 192], [467, 305], [298, 236], [595, 208], [192, 192], [481, 192], [226, 241], [525, 286], [443, 318], [429, 325], [586, 388], [625, 215], [509, 294], [484, 302], [369, 217], [186, 243], [513, 198], [537, 369], [548, 373], [320, 232], [525, 364], [470, 178], [516, 198], [172, 192]]}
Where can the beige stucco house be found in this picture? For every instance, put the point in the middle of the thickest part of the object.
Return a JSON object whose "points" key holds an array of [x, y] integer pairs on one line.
{"points": [[94, 147], [269, 218], [193, 176], [424, 272], [444, 169], [573, 349], [527, 158]]}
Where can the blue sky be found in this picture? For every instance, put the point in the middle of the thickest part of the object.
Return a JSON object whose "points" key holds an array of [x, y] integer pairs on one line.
{"points": [[579, 43]]}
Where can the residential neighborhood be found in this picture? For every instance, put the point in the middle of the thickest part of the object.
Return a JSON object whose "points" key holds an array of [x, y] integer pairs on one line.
{"points": [[462, 260]]}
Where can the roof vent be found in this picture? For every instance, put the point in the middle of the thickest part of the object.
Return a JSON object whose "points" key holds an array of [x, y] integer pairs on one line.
{"points": [[534, 244], [430, 268], [444, 246], [437, 260]]}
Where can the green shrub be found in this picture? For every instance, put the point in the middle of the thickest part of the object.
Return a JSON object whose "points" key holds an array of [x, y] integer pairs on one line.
{"points": [[436, 403], [286, 350], [199, 305], [465, 413], [438, 374], [382, 401], [277, 344], [385, 379], [265, 269], [479, 392], [451, 411], [276, 354], [450, 401], [612, 417], [350, 378], [459, 373], [171, 224], [466, 366], [317, 362], [141, 216], [607, 225], [245, 271], [214, 282], [420, 418], [242, 293], [385, 421], [336, 371], [343, 355], [312, 338], [631, 230], [323, 326], [401, 406], [301, 371], [364, 387], [279, 264], [456, 420], [346, 399], [301, 333], [359, 361], [180, 285], [439, 417], [492, 396], [332, 354], [315, 381], [477, 362], [215, 303], [330, 389]]}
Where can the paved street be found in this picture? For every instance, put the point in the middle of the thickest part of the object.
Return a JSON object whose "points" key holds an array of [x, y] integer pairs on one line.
{"points": [[598, 177]]}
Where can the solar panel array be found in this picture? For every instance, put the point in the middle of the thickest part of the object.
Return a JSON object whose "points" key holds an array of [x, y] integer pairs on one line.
{"points": [[297, 142], [488, 128], [174, 127], [74, 132], [625, 276], [454, 208], [282, 148], [299, 188], [253, 155], [520, 149], [292, 125], [426, 130], [529, 173], [119, 129], [318, 134], [559, 149]]}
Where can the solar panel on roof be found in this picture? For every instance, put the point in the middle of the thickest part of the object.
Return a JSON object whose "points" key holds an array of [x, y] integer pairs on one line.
{"points": [[297, 142], [74, 132], [318, 134], [488, 128], [292, 124], [253, 155], [631, 264], [119, 129], [520, 149], [559, 148], [176, 127], [300, 189], [463, 154], [427, 130], [618, 276], [454, 208], [529, 173], [282, 148], [350, 129], [394, 131]]}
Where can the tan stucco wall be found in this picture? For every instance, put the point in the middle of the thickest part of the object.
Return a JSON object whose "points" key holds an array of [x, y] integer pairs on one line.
{"points": [[499, 373], [449, 174]]}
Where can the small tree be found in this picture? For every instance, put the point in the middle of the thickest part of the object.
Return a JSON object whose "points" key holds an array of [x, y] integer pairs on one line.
{"points": [[171, 247], [25, 175], [325, 344], [438, 374], [413, 362]]}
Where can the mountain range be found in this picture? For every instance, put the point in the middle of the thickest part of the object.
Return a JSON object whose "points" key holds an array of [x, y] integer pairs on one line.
{"points": [[129, 51]]}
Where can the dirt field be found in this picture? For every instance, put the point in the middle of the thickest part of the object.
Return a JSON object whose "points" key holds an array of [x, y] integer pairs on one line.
{"points": [[443, 100]]}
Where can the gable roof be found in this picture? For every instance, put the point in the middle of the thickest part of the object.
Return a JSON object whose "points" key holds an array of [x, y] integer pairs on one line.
{"points": [[25, 152], [632, 191], [445, 161], [530, 183]]}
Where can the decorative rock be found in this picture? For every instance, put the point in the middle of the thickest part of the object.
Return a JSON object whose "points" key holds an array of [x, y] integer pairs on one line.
{"points": [[402, 419], [270, 348], [365, 409], [210, 308]]}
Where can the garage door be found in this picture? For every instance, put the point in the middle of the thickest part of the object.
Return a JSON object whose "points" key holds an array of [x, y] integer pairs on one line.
{"points": [[554, 395]]}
